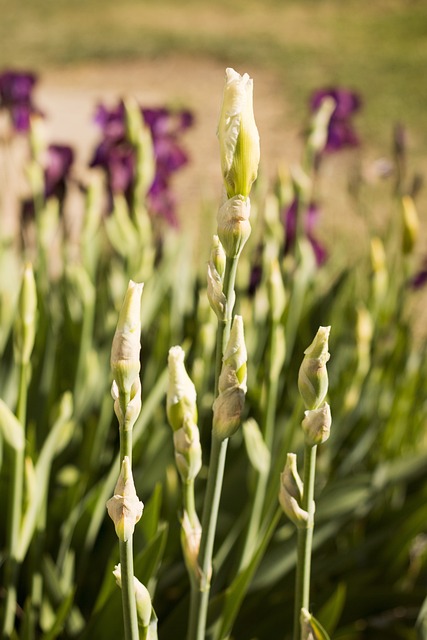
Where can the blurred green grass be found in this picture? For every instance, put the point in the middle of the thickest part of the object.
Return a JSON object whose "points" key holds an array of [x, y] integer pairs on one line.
{"points": [[378, 48]]}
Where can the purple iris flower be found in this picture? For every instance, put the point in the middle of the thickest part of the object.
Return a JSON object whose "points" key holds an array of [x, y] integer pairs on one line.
{"points": [[310, 220], [420, 278], [16, 97], [340, 131], [116, 155], [57, 169]]}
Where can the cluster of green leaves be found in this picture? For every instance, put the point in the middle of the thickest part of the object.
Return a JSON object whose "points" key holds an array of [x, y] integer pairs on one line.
{"points": [[370, 551]]}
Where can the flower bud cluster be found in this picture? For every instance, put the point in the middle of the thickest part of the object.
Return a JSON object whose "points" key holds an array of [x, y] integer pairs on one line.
{"points": [[313, 387], [228, 406], [181, 409]]}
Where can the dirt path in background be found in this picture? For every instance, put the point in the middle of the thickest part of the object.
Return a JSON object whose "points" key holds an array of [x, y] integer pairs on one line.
{"points": [[69, 97]]}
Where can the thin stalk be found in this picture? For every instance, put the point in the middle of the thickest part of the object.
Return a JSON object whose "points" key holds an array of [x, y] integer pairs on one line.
{"points": [[305, 540], [130, 619], [200, 592], [189, 503], [15, 511], [258, 499]]}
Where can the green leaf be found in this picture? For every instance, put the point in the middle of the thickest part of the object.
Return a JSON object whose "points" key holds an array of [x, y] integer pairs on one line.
{"points": [[332, 609], [11, 429], [61, 616], [234, 595], [150, 522], [421, 624]]}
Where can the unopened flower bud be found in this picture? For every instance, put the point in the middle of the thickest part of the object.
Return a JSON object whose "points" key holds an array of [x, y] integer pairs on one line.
{"points": [[218, 257], [228, 406], [411, 224], [191, 533], [317, 425], [125, 508], [313, 375], [133, 407], [142, 596], [25, 325], [238, 135], [126, 346], [291, 492], [215, 293], [181, 393], [319, 127], [234, 227], [276, 291], [188, 452]]}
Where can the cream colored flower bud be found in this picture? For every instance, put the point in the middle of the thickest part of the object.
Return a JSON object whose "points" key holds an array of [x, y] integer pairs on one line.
{"points": [[291, 492], [125, 508], [228, 406], [133, 408], [191, 534], [188, 452], [25, 325], [317, 425], [215, 294], [234, 227], [142, 596], [238, 135], [126, 346], [313, 375], [319, 127], [218, 257], [411, 224], [181, 393], [276, 290]]}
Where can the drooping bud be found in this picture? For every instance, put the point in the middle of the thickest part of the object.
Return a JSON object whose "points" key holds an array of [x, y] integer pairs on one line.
{"points": [[215, 293], [291, 492], [25, 324], [133, 407], [142, 596], [411, 224], [126, 346], [313, 375], [317, 425], [125, 508], [181, 394], [234, 227], [191, 533], [238, 135], [188, 452], [228, 406]]}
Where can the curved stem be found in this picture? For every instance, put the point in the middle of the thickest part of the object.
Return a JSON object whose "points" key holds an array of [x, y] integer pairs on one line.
{"points": [[305, 540]]}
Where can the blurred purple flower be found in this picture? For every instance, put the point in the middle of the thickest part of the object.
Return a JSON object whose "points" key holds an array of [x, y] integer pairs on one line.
{"points": [[420, 278], [116, 155], [59, 159], [340, 131], [16, 97], [311, 215]]}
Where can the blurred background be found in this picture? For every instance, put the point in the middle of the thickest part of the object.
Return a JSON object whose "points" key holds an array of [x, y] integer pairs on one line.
{"points": [[168, 53]]}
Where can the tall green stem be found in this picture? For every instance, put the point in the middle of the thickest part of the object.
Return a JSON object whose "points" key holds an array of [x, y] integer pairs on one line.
{"points": [[200, 592], [15, 511], [130, 618], [305, 540]]}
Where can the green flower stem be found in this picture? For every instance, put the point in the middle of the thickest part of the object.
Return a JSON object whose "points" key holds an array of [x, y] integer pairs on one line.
{"points": [[305, 540], [15, 511], [258, 499], [130, 618], [189, 503], [200, 592]]}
